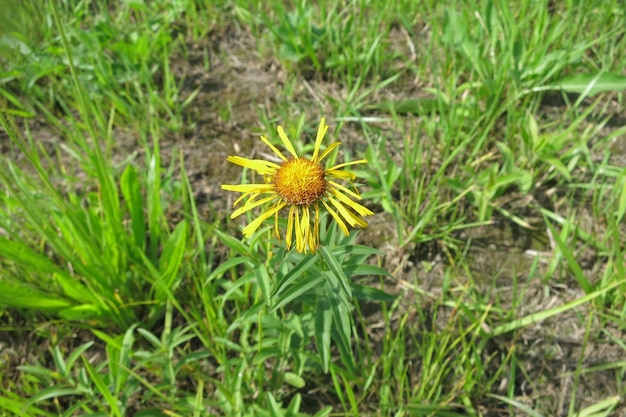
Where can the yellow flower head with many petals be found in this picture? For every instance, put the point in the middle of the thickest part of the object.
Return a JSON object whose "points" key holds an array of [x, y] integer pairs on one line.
{"points": [[303, 186]]}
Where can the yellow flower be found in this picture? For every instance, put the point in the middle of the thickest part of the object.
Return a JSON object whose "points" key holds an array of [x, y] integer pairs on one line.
{"points": [[304, 186]]}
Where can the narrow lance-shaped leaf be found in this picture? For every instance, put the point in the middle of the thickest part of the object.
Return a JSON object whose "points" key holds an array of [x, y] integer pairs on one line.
{"points": [[20, 295], [571, 261], [323, 322], [297, 290], [131, 190], [294, 273], [590, 84], [337, 271], [103, 389], [172, 257], [263, 280]]}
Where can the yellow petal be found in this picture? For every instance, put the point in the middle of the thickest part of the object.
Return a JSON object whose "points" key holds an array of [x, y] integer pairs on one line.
{"points": [[345, 164], [314, 234], [316, 226], [321, 132], [259, 165], [249, 188], [276, 230], [343, 189], [344, 175], [286, 142], [290, 226], [340, 222], [273, 148], [362, 210], [251, 228], [350, 217], [250, 204], [328, 150], [305, 226], [244, 195], [296, 226]]}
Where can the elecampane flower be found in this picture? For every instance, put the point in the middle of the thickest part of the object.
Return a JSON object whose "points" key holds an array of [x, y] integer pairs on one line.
{"points": [[302, 186]]}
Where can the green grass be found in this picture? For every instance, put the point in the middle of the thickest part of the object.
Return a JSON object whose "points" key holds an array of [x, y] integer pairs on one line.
{"points": [[492, 273]]}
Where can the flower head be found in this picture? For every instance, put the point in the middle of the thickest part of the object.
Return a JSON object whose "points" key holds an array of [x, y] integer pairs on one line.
{"points": [[304, 187]]}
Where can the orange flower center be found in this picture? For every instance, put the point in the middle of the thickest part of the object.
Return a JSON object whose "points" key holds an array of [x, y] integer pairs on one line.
{"points": [[300, 181]]}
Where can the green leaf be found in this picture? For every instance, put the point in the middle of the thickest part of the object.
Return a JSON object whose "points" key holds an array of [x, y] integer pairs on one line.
{"points": [[337, 271], [336, 292], [454, 28], [590, 84], [354, 250], [294, 380], [297, 290], [59, 362], [16, 251], [234, 244], [153, 198], [288, 53], [340, 333], [103, 389], [150, 412], [347, 386], [120, 376], [52, 392], [324, 412], [41, 372], [13, 294], [455, 34], [81, 312], [363, 292], [412, 106], [71, 360], [294, 273], [131, 190], [14, 404], [263, 279], [559, 166], [420, 409], [544, 314], [365, 269], [602, 408], [571, 261], [172, 257], [294, 404], [233, 291], [225, 266], [622, 198], [74, 289], [275, 409], [323, 322], [264, 354]]}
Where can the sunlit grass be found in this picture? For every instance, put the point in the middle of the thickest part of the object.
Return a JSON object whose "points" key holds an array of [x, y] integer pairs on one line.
{"points": [[486, 126]]}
